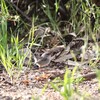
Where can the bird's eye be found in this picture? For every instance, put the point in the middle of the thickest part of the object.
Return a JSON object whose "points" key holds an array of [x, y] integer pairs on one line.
{"points": [[36, 66]]}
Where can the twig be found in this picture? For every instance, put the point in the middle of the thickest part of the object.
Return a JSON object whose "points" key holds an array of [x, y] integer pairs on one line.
{"points": [[88, 76]]}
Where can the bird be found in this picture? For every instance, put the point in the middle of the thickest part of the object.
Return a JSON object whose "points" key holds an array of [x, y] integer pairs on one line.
{"points": [[43, 61], [47, 57]]}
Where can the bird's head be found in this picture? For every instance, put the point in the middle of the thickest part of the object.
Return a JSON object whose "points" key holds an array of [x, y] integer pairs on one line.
{"points": [[36, 66]]}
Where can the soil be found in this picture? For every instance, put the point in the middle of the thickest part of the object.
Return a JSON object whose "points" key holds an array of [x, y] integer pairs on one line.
{"points": [[30, 84]]}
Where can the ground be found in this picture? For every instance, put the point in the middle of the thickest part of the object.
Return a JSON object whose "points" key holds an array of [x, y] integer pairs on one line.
{"points": [[30, 82], [28, 86]]}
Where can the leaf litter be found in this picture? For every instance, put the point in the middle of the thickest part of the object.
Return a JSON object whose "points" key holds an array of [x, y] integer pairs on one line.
{"points": [[31, 81]]}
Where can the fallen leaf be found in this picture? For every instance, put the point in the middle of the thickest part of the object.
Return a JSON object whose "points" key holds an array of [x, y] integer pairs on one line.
{"points": [[25, 82], [42, 77]]}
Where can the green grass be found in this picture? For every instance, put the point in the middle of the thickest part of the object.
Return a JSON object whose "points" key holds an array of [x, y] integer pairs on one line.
{"points": [[66, 86], [84, 9], [10, 44]]}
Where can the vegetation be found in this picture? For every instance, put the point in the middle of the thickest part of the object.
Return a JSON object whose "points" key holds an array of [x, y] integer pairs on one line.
{"points": [[18, 26]]}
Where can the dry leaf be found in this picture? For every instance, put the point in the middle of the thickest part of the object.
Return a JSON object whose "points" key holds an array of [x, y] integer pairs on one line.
{"points": [[25, 82], [42, 77]]}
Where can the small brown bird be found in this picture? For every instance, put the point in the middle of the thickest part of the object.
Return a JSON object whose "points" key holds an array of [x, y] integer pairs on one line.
{"points": [[43, 61], [47, 57]]}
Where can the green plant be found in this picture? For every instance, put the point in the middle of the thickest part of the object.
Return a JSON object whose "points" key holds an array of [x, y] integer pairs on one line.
{"points": [[10, 45], [3, 35], [3, 24], [66, 87], [52, 16]]}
